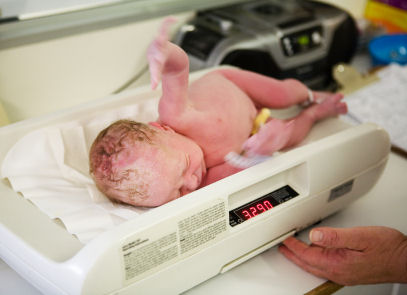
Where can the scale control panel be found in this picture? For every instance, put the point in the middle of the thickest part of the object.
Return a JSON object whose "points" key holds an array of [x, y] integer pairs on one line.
{"points": [[261, 205]]}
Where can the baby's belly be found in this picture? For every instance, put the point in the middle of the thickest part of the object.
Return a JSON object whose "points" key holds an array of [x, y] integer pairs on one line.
{"points": [[227, 136], [229, 121]]}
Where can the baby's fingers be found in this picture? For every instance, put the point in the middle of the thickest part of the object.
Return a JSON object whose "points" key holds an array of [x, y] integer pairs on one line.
{"points": [[253, 145], [157, 52], [163, 35], [156, 64]]}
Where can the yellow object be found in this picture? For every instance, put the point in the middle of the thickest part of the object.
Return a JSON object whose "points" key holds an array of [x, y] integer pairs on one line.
{"points": [[393, 18], [261, 118], [3, 116], [350, 80]]}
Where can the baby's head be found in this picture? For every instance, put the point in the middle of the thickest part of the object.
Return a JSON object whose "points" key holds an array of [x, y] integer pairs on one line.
{"points": [[145, 165]]}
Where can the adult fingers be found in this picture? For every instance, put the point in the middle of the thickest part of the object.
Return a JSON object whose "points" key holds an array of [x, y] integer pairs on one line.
{"points": [[301, 263], [310, 254], [356, 238]]}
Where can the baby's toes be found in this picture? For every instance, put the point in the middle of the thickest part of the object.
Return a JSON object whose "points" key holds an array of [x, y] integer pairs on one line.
{"points": [[341, 108]]}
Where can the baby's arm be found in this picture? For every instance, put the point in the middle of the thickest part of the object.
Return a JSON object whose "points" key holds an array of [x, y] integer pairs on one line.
{"points": [[169, 63], [266, 91]]}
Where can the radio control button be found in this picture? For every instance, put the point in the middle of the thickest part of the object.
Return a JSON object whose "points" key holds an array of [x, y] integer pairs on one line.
{"points": [[288, 46], [225, 25], [316, 37]]}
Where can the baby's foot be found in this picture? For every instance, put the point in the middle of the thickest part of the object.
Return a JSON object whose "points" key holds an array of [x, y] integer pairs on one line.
{"points": [[320, 96], [157, 52], [330, 106]]}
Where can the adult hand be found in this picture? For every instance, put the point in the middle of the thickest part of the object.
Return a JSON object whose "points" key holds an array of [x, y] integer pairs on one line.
{"points": [[352, 256]]}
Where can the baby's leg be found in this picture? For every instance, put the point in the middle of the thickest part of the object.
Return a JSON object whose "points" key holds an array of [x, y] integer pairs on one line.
{"points": [[329, 107], [279, 134], [266, 91]]}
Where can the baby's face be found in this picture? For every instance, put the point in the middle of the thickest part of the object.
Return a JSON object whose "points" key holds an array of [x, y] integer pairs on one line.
{"points": [[174, 167]]}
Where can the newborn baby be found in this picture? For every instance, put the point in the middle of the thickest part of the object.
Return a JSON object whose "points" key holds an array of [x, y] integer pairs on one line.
{"points": [[152, 164]]}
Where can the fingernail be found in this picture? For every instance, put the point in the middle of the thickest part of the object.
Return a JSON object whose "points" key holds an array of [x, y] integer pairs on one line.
{"points": [[316, 235]]}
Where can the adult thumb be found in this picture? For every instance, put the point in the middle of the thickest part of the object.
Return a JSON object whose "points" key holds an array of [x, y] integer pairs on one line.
{"points": [[350, 238]]}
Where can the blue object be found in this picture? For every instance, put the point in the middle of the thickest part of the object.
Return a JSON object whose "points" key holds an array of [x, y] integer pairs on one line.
{"points": [[389, 48]]}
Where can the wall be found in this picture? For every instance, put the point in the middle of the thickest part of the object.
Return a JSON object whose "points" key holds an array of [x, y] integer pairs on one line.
{"points": [[39, 78], [354, 7]]}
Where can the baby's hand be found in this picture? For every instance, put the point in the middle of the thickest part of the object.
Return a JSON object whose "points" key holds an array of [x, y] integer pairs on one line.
{"points": [[271, 137], [157, 52]]}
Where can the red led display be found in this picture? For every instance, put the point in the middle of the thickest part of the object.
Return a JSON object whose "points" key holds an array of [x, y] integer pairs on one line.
{"points": [[256, 209], [261, 205]]}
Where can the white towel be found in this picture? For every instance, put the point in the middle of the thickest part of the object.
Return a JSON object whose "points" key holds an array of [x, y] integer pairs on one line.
{"points": [[50, 168]]}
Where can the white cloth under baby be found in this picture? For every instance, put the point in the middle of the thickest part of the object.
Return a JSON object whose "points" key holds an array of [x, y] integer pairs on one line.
{"points": [[50, 168]]}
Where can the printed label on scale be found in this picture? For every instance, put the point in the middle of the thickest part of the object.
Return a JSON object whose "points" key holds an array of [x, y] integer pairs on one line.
{"points": [[202, 227], [172, 240], [149, 254]]}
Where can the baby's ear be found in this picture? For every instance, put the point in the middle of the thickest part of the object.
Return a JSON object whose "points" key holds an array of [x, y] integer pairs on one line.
{"points": [[155, 124], [161, 126]]}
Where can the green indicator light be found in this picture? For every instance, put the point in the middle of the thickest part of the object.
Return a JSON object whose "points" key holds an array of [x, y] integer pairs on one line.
{"points": [[303, 40]]}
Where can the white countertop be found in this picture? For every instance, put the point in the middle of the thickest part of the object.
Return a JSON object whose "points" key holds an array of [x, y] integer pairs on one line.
{"points": [[270, 273]]}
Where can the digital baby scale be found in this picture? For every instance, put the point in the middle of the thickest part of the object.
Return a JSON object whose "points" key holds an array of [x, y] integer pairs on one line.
{"points": [[174, 247]]}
